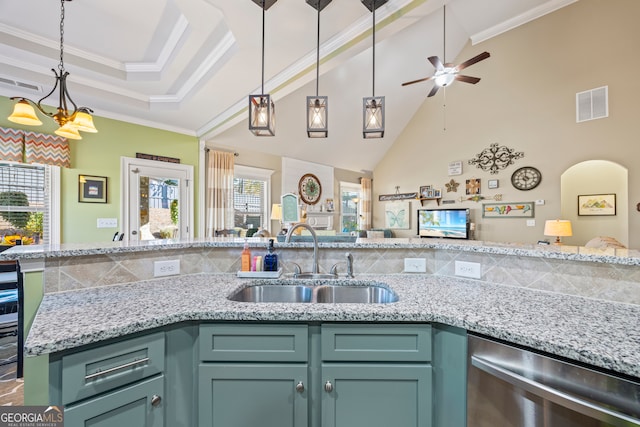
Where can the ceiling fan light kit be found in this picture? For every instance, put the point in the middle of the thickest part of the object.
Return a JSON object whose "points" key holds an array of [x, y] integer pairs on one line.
{"points": [[262, 110], [317, 106], [446, 73], [373, 106], [70, 122]]}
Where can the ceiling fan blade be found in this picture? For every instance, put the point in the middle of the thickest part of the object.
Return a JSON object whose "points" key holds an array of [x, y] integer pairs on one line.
{"points": [[475, 59], [467, 79], [417, 81], [434, 90], [435, 61]]}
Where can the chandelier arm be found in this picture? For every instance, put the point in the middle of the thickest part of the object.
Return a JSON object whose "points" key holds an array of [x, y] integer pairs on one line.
{"points": [[64, 95]]}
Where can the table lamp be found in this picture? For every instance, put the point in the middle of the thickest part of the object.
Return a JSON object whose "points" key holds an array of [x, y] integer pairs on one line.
{"points": [[558, 228], [276, 213]]}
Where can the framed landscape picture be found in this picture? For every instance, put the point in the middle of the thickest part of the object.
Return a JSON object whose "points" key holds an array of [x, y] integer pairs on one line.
{"points": [[596, 204]]}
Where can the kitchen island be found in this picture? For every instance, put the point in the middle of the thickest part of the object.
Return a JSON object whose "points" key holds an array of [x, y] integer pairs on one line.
{"points": [[601, 332]]}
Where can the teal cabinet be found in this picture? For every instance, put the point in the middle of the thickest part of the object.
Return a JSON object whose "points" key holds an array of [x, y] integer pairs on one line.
{"points": [[376, 395], [138, 405], [255, 394]]}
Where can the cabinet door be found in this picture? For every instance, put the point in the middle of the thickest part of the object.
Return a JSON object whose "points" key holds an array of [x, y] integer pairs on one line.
{"points": [[261, 394], [129, 406], [376, 395]]}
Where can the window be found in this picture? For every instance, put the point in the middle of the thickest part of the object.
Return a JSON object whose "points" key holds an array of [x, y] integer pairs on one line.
{"points": [[251, 197], [29, 200], [349, 204]]}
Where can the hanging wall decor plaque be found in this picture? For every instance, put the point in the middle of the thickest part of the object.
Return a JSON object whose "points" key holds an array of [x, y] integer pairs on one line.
{"points": [[495, 158]]}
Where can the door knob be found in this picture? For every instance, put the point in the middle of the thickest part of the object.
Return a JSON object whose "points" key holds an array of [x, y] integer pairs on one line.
{"points": [[155, 401], [300, 387]]}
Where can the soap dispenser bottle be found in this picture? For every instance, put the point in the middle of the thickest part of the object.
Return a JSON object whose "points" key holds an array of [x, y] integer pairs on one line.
{"points": [[245, 258], [271, 258]]}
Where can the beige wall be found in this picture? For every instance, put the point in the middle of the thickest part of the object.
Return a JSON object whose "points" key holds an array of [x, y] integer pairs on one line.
{"points": [[526, 101]]}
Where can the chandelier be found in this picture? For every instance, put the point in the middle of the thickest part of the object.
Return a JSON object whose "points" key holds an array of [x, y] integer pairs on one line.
{"points": [[70, 122]]}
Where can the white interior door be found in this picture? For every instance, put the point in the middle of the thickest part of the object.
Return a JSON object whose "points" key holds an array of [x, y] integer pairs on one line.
{"points": [[157, 200]]}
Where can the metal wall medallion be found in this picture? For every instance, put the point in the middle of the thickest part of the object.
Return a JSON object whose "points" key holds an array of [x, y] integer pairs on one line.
{"points": [[495, 158]]}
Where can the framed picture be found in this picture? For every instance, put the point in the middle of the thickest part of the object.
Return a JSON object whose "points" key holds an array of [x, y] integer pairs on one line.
{"points": [[424, 191], [508, 210], [92, 189], [455, 168], [290, 209], [492, 183], [396, 215], [473, 186], [597, 204]]}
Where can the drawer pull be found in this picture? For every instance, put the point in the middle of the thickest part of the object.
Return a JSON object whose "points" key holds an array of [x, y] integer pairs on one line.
{"points": [[300, 387], [155, 400], [116, 368]]}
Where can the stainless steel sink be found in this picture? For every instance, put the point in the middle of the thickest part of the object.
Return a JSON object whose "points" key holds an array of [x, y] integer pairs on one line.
{"points": [[354, 293], [320, 276], [274, 293]]}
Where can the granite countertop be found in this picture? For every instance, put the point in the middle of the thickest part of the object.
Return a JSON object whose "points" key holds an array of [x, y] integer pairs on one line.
{"points": [[600, 333], [562, 252]]}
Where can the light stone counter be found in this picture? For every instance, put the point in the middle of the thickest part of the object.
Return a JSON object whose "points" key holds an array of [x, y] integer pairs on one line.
{"points": [[569, 253], [600, 333]]}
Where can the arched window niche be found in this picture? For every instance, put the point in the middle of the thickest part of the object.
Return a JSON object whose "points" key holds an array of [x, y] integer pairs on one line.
{"points": [[595, 177]]}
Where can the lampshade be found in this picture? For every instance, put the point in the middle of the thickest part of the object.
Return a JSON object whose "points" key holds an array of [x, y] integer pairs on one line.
{"points": [[262, 115], [317, 116], [558, 228], [373, 119], [24, 114], [84, 122], [276, 212], [69, 131]]}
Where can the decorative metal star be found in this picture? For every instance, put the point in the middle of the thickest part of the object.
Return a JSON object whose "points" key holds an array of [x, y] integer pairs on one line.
{"points": [[452, 186]]}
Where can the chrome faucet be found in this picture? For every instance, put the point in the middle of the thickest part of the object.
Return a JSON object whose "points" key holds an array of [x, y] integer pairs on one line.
{"points": [[315, 242]]}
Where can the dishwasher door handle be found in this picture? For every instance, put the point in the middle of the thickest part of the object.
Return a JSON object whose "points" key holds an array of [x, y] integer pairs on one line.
{"points": [[574, 403]]}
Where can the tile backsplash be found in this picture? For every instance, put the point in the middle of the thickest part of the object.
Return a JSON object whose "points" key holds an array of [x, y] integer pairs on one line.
{"points": [[590, 279]]}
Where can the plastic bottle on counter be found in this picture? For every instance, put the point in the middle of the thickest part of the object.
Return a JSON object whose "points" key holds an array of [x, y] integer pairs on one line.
{"points": [[270, 261], [245, 257]]}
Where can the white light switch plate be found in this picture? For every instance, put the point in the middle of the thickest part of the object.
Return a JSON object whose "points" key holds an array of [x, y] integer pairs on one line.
{"points": [[415, 265], [531, 223], [166, 268], [107, 222], [468, 269]]}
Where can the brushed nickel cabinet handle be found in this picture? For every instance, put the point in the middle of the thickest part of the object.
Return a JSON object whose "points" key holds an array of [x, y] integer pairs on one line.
{"points": [[116, 368]]}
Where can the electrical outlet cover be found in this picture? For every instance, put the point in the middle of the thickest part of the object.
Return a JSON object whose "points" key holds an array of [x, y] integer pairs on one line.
{"points": [[166, 268]]}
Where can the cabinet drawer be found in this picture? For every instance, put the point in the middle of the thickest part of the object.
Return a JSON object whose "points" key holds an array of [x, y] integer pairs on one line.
{"points": [[254, 343], [392, 343], [95, 371], [137, 405]]}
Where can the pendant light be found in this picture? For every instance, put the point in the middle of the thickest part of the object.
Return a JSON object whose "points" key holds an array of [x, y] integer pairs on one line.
{"points": [[317, 105], [262, 111], [70, 121], [373, 106]]}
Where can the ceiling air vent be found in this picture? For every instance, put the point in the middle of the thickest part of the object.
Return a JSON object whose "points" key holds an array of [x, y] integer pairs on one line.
{"points": [[592, 104], [24, 85]]}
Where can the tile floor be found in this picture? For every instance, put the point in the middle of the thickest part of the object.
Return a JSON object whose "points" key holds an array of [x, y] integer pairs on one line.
{"points": [[11, 388]]}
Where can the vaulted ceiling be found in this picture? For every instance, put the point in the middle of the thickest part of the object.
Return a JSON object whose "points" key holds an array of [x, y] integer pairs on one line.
{"points": [[189, 65]]}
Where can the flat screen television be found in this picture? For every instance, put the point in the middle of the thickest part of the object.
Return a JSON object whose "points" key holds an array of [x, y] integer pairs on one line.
{"points": [[443, 223]]}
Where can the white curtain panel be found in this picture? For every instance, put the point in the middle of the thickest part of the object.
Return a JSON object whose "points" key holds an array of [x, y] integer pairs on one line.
{"points": [[219, 192], [366, 213]]}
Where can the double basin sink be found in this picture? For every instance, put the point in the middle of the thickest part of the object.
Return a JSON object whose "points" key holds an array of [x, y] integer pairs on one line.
{"points": [[292, 291]]}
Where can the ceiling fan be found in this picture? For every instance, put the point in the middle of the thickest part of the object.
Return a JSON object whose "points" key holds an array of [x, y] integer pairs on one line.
{"points": [[446, 73]]}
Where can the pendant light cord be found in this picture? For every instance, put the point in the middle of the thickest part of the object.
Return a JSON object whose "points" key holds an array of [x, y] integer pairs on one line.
{"points": [[263, 13], [61, 64], [318, 53], [444, 33], [373, 30]]}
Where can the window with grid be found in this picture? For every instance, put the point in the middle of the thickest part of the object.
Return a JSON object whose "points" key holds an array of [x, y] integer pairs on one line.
{"points": [[249, 202], [25, 203], [349, 199]]}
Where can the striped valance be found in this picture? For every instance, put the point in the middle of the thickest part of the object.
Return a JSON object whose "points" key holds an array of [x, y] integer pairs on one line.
{"points": [[31, 147]]}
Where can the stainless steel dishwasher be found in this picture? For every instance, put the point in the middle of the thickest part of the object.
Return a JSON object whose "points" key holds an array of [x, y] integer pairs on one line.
{"points": [[512, 387]]}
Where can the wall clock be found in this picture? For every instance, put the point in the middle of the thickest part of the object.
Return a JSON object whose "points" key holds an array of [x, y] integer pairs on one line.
{"points": [[526, 178], [309, 188]]}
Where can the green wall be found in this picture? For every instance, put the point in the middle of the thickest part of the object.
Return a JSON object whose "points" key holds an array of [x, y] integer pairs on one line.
{"points": [[99, 154]]}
